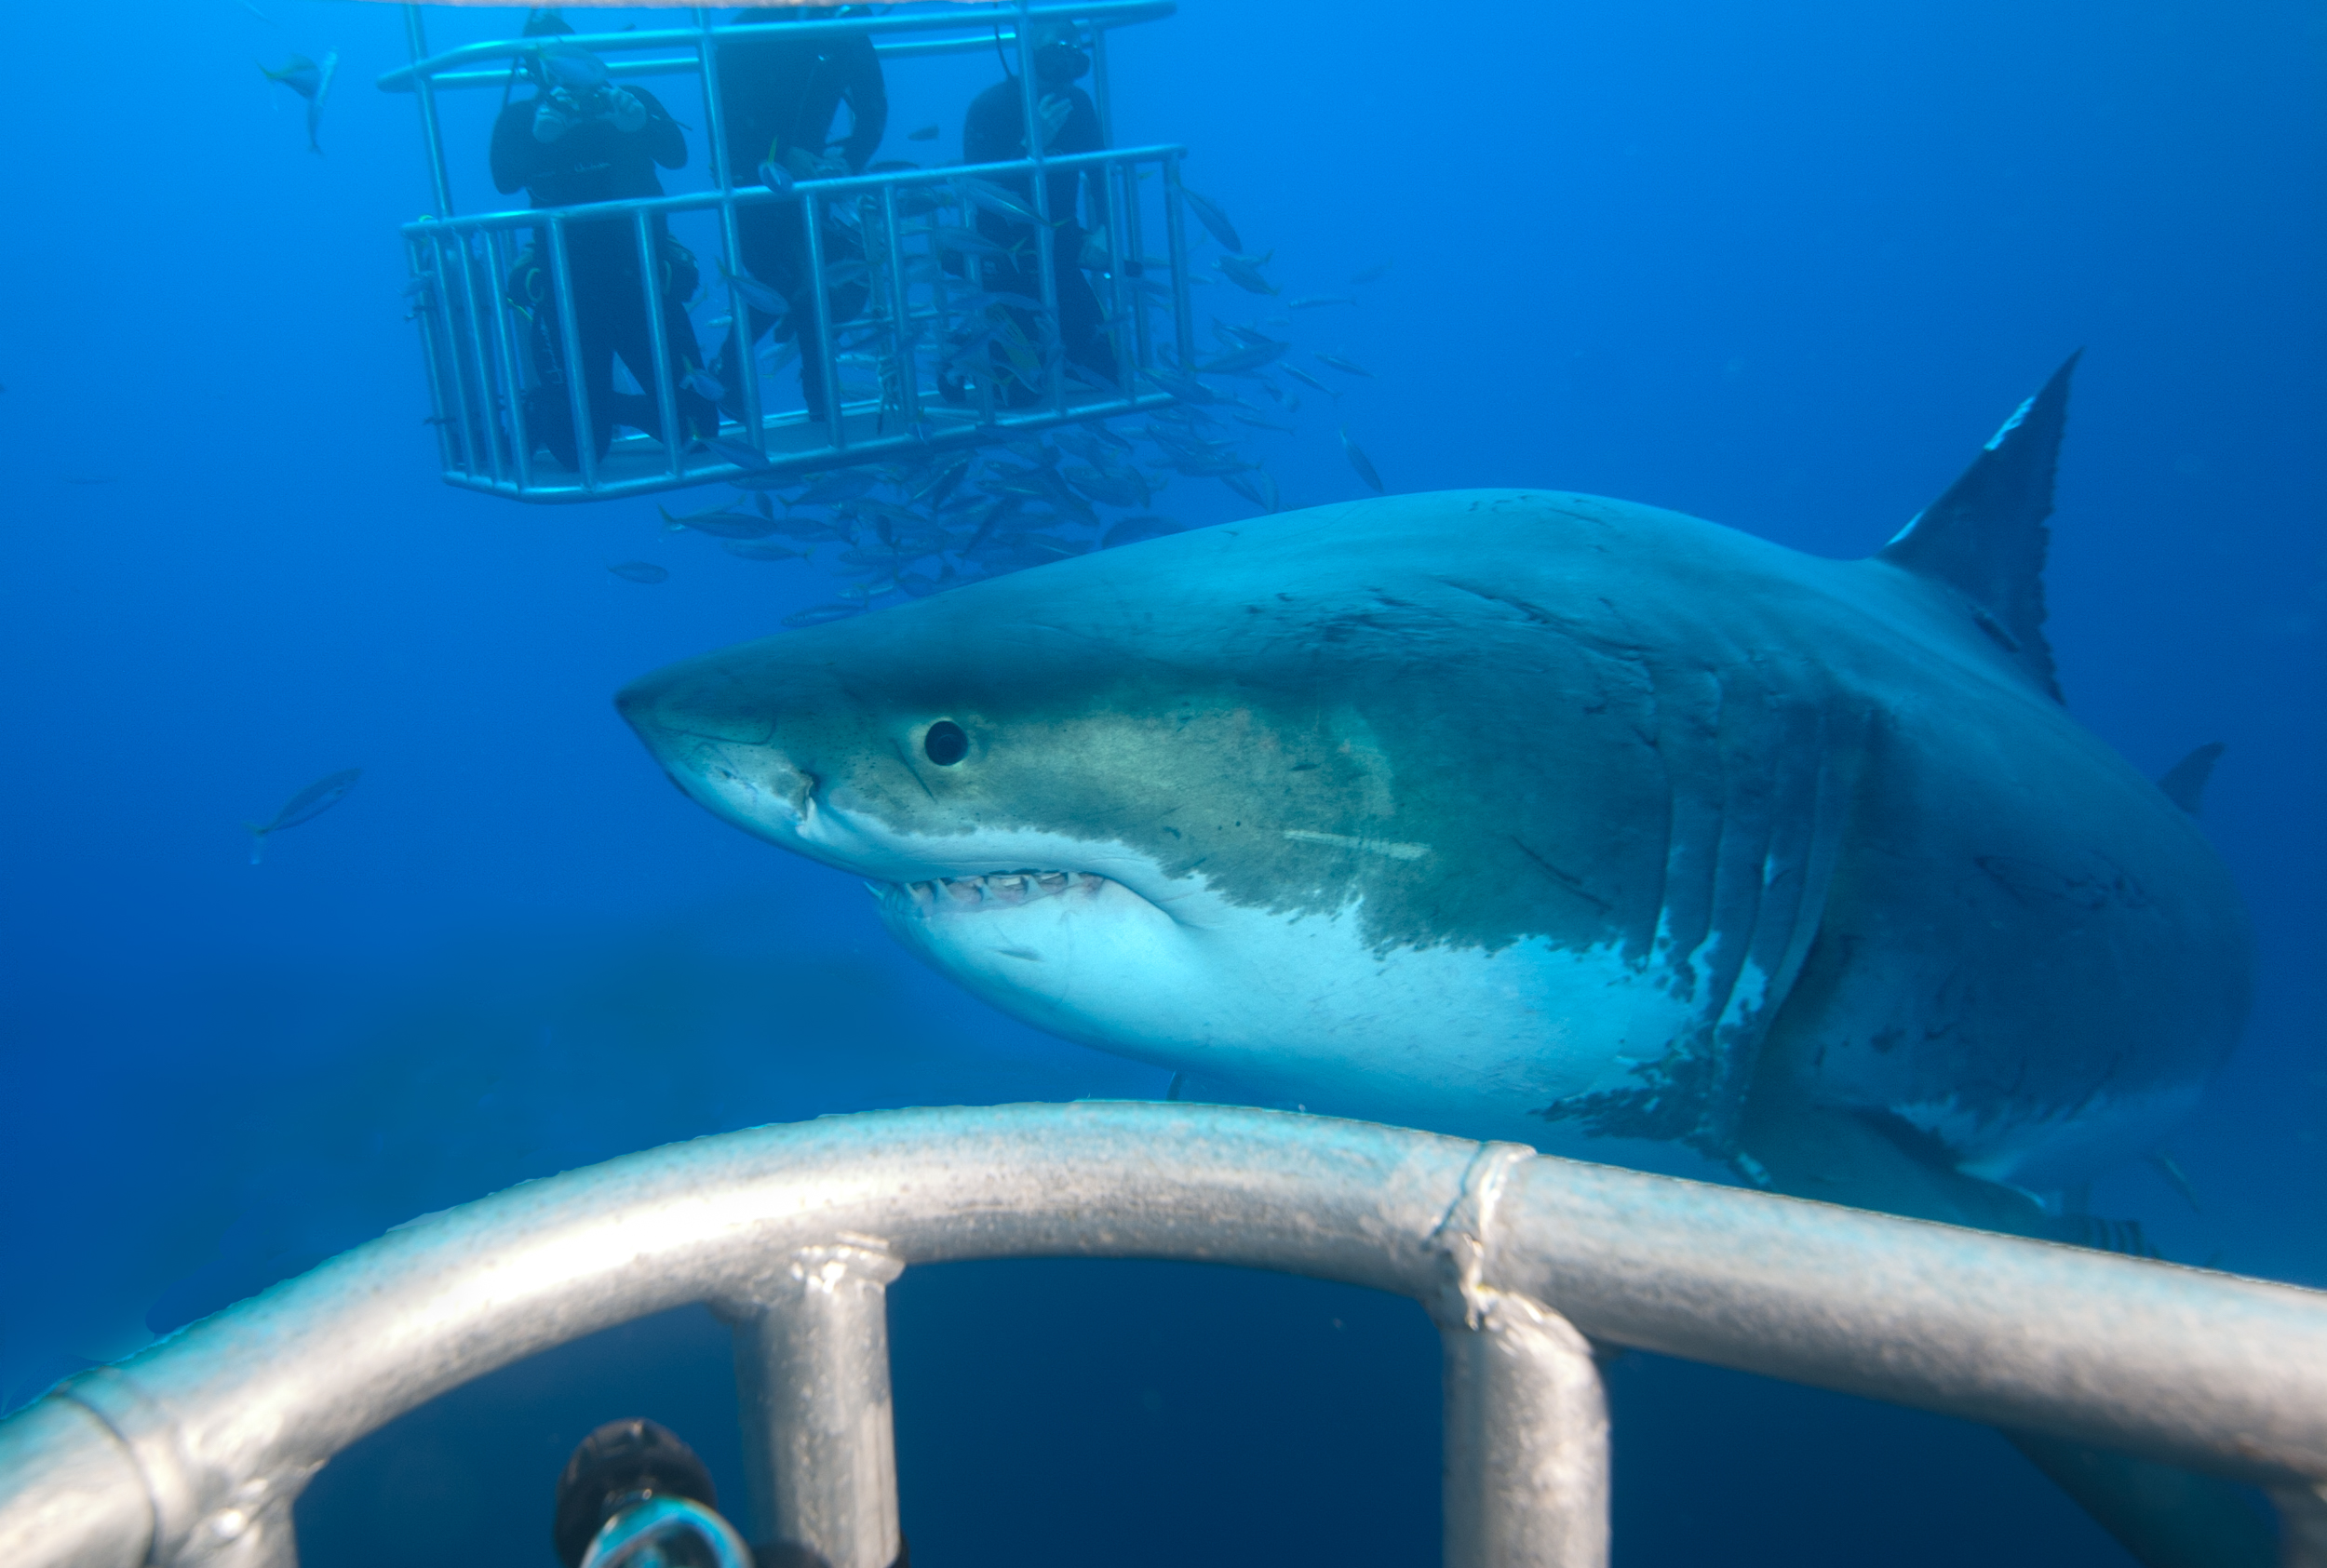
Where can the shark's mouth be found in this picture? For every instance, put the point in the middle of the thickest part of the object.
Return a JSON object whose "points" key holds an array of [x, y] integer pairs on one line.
{"points": [[999, 889], [1075, 952], [977, 907]]}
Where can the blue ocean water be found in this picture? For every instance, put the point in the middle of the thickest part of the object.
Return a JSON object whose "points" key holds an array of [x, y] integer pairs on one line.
{"points": [[1783, 266]]}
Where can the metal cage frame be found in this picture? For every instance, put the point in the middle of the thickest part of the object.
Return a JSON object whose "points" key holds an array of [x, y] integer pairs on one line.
{"points": [[192, 1452], [476, 356]]}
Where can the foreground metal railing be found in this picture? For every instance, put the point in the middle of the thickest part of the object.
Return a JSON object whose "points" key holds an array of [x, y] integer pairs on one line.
{"points": [[193, 1451]]}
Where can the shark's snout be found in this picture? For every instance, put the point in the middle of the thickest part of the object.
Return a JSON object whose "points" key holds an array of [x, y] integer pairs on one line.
{"points": [[716, 756]]}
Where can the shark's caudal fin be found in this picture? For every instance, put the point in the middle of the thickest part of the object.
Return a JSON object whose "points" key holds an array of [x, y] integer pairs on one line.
{"points": [[2184, 783], [1987, 535]]}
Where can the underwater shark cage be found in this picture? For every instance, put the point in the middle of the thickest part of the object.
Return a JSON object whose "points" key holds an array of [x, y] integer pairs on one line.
{"points": [[192, 1452], [917, 353]]}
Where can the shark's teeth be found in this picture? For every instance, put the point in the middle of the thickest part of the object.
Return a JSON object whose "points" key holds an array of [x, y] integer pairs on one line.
{"points": [[999, 889]]}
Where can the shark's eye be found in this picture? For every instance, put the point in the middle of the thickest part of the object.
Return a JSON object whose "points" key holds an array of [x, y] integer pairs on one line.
{"points": [[945, 744]]}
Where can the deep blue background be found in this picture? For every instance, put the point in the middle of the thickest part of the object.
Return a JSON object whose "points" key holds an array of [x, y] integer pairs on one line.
{"points": [[1781, 264]]}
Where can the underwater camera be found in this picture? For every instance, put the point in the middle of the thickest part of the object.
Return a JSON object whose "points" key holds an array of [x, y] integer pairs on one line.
{"points": [[633, 1495]]}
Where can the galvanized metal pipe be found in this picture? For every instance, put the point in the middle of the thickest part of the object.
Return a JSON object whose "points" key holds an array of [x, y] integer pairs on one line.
{"points": [[489, 425], [1526, 1464], [812, 1377], [731, 237], [70, 1493], [747, 196], [1117, 186], [688, 64], [835, 417], [1107, 13], [513, 367], [1102, 97], [1176, 241], [972, 431], [463, 416], [203, 1439], [425, 317], [431, 129], [1135, 263], [570, 334], [1525, 1446], [901, 314], [658, 337], [1051, 331]]}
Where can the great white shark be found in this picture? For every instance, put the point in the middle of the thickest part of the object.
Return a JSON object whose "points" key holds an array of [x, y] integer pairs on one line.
{"points": [[1533, 815]]}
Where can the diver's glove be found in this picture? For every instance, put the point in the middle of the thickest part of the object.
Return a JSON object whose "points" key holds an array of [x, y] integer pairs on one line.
{"points": [[1052, 114], [628, 113]]}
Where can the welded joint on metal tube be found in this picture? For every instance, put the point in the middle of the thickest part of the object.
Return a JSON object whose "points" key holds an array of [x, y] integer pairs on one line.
{"points": [[851, 1262], [1464, 1234], [1526, 1440], [201, 1519], [73, 1497]]}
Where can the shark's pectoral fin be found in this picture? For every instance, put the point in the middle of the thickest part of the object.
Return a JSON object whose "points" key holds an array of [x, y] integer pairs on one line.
{"points": [[1838, 1155], [2167, 1518], [1986, 536]]}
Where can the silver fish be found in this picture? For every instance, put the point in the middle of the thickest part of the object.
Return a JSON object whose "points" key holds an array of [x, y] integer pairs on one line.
{"points": [[763, 550], [1186, 388], [312, 82], [758, 295], [990, 197], [722, 524], [1245, 361], [1307, 380], [305, 806], [1359, 461], [847, 485], [1213, 219], [737, 453], [970, 242], [1244, 272]]}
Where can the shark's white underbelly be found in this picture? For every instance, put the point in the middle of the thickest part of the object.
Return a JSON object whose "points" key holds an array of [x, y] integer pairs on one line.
{"points": [[1299, 1008]]}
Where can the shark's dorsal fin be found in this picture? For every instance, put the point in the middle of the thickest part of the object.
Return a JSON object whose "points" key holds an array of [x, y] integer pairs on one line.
{"points": [[2184, 783], [1987, 535]]}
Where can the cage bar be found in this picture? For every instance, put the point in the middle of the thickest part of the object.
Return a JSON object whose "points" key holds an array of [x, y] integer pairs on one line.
{"points": [[190, 1453]]}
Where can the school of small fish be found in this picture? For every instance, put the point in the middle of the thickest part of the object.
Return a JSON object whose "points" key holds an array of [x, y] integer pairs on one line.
{"points": [[915, 528]]}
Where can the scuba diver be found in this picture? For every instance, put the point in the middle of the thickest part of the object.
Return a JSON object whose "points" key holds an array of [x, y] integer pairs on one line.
{"points": [[779, 96], [995, 132], [583, 139]]}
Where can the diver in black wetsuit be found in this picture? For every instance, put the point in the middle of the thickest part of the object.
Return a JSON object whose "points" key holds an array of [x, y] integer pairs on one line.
{"points": [[585, 138], [779, 96], [995, 132]]}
